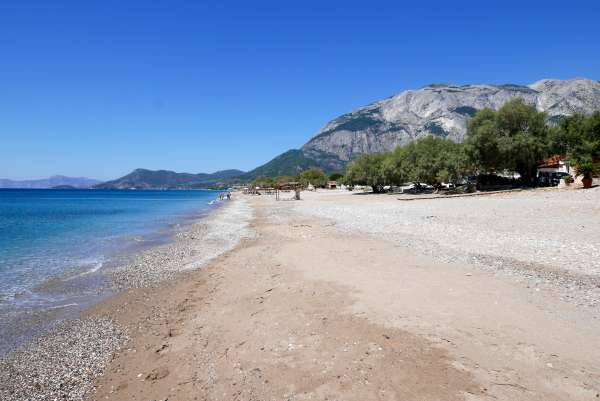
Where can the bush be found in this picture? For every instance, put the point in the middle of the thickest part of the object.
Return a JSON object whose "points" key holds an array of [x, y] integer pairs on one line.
{"points": [[586, 168], [314, 176]]}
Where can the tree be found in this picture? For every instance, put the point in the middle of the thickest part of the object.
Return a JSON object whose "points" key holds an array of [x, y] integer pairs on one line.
{"points": [[564, 137], [367, 170], [481, 144], [314, 176], [396, 166], [454, 165], [431, 160], [282, 179], [523, 137], [591, 127], [578, 137], [336, 176], [513, 138], [263, 182], [271, 182]]}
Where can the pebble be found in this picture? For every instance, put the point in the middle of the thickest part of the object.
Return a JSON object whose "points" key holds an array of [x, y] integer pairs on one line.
{"points": [[63, 364], [528, 236], [193, 247]]}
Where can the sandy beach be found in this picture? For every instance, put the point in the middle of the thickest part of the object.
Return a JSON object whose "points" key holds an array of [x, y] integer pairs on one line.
{"points": [[299, 201], [63, 363], [349, 297]]}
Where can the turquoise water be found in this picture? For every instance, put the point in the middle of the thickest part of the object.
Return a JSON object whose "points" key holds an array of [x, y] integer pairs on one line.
{"points": [[54, 245], [44, 233]]}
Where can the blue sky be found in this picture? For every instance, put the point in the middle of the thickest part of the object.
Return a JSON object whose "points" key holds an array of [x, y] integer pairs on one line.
{"points": [[98, 88]]}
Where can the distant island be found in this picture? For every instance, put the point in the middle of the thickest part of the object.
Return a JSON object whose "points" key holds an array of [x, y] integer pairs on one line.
{"points": [[64, 187], [51, 182]]}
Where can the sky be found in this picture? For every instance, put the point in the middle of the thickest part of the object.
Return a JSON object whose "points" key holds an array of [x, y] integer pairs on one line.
{"points": [[99, 88]]}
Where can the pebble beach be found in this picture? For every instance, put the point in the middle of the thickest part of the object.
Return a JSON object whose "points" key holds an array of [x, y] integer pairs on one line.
{"points": [[546, 239], [323, 297], [63, 363]]}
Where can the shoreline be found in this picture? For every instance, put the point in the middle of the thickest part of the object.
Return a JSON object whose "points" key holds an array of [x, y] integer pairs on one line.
{"points": [[65, 295], [146, 267], [310, 305]]}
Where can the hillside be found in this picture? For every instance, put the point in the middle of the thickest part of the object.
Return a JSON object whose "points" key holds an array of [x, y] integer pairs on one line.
{"points": [[147, 179], [439, 109], [293, 162]]}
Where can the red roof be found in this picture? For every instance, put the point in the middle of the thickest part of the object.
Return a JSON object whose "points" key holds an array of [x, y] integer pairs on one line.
{"points": [[552, 161]]}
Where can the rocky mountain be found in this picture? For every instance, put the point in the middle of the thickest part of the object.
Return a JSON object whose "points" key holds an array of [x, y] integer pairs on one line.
{"points": [[439, 109], [51, 182], [148, 179]]}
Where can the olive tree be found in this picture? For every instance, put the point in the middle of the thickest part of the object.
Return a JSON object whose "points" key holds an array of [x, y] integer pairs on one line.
{"points": [[515, 138], [431, 160], [367, 170]]}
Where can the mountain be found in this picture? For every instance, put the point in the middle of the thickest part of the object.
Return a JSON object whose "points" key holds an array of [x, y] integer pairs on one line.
{"points": [[438, 109], [146, 179], [54, 181], [293, 162]]}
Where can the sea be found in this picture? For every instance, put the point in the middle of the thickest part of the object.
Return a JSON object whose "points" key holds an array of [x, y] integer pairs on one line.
{"points": [[54, 245]]}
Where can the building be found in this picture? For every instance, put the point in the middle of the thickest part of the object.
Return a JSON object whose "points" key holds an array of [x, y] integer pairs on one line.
{"points": [[554, 164], [332, 184], [551, 170]]}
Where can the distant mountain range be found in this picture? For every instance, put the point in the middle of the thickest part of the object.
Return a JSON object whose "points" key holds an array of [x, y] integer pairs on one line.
{"points": [[146, 179], [439, 109], [54, 181]]}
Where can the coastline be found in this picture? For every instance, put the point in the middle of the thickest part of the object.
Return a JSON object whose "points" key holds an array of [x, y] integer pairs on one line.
{"points": [[30, 369], [311, 305], [90, 236]]}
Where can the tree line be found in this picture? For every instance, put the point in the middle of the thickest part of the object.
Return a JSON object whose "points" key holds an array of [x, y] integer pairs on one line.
{"points": [[515, 138], [314, 176]]}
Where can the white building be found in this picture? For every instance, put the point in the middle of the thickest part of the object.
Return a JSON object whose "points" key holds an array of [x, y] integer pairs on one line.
{"points": [[554, 164]]}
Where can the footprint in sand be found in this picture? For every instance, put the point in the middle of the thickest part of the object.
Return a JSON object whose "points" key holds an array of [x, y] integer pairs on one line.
{"points": [[157, 374]]}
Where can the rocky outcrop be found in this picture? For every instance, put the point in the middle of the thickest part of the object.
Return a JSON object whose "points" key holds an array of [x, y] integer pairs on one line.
{"points": [[442, 110]]}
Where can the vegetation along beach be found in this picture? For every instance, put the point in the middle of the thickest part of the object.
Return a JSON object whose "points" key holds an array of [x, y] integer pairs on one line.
{"points": [[299, 201]]}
